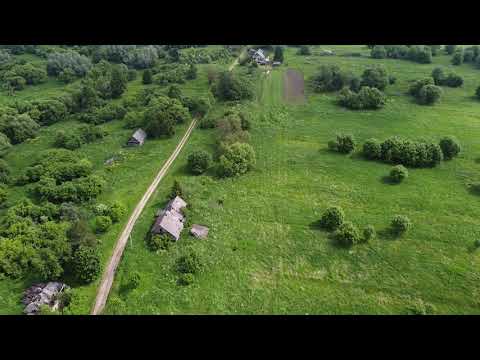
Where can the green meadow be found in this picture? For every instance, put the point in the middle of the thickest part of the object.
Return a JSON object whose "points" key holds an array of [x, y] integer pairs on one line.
{"points": [[265, 254]]}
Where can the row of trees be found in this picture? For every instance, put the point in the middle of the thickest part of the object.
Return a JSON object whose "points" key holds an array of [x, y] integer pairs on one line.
{"points": [[418, 53]]}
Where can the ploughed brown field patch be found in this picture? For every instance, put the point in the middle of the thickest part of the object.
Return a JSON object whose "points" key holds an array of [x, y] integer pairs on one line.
{"points": [[293, 87]]}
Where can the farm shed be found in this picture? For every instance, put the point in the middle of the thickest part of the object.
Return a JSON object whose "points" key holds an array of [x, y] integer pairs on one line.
{"points": [[138, 138], [170, 220], [41, 294], [199, 231]]}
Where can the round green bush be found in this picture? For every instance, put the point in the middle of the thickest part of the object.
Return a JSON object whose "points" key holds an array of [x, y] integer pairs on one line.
{"points": [[345, 143], [186, 279], [159, 242], [372, 149], [429, 94], [347, 234], [332, 218], [398, 173], [116, 211], [450, 147], [238, 159], [369, 233], [419, 84], [400, 224], [188, 263], [102, 223], [198, 162], [86, 264], [477, 92]]}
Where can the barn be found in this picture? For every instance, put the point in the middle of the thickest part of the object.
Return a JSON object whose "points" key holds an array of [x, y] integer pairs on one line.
{"points": [[170, 220], [138, 138]]}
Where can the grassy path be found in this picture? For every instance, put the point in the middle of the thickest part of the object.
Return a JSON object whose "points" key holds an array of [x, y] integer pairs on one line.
{"points": [[109, 274]]}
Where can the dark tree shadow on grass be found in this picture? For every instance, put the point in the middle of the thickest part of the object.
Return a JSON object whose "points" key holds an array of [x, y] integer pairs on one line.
{"points": [[388, 234], [388, 180]]}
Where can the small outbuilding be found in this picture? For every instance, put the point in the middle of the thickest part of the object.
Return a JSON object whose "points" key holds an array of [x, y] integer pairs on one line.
{"points": [[199, 231], [138, 138], [171, 219]]}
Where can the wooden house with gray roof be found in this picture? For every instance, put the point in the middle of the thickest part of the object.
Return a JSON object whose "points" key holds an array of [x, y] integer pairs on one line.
{"points": [[170, 220]]}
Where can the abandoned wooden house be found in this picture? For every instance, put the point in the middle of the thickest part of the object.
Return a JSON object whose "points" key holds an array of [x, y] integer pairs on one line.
{"points": [[42, 294], [170, 220], [259, 57], [138, 138]]}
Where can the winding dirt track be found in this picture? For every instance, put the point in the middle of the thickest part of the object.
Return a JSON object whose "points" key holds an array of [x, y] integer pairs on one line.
{"points": [[109, 273]]}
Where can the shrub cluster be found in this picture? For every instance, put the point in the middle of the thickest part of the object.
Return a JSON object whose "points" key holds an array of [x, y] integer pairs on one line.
{"points": [[74, 139], [417, 53], [451, 79], [425, 91], [330, 78], [397, 150], [237, 159], [198, 162], [366, 98], [230, 86], [332, 218], [345, 144]]}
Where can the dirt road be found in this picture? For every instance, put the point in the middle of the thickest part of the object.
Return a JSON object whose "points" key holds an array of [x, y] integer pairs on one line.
{"points": [[109, 273]]}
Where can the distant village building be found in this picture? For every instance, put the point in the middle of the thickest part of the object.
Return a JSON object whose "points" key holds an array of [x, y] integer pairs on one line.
{"points": [[138, 138], [199, 231], [259, 57], [170, 220], [42, 294]]}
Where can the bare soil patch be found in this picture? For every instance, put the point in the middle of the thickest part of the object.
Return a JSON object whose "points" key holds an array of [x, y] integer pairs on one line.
{"points": [[293, 87]]}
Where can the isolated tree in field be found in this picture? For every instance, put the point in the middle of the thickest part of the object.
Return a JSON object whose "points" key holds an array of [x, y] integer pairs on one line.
{"points": [[189, 263], [231, 86], [86, 264], [400, 225], [347, 234], [450, 49], [147, 77], [199, 162], [330, 78], [438, 76], [418, 85], [378, 52], [369, 233], [477, 93], [398, 173], [304, 50], [345, 144], [457, 58], [450, 147], [332, 218], [278, 54], [376, 77], [237, 159], [429, 94]]}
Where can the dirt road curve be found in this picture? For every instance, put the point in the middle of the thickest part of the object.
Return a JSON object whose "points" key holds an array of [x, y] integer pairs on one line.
{"points": [[109, 274]]}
